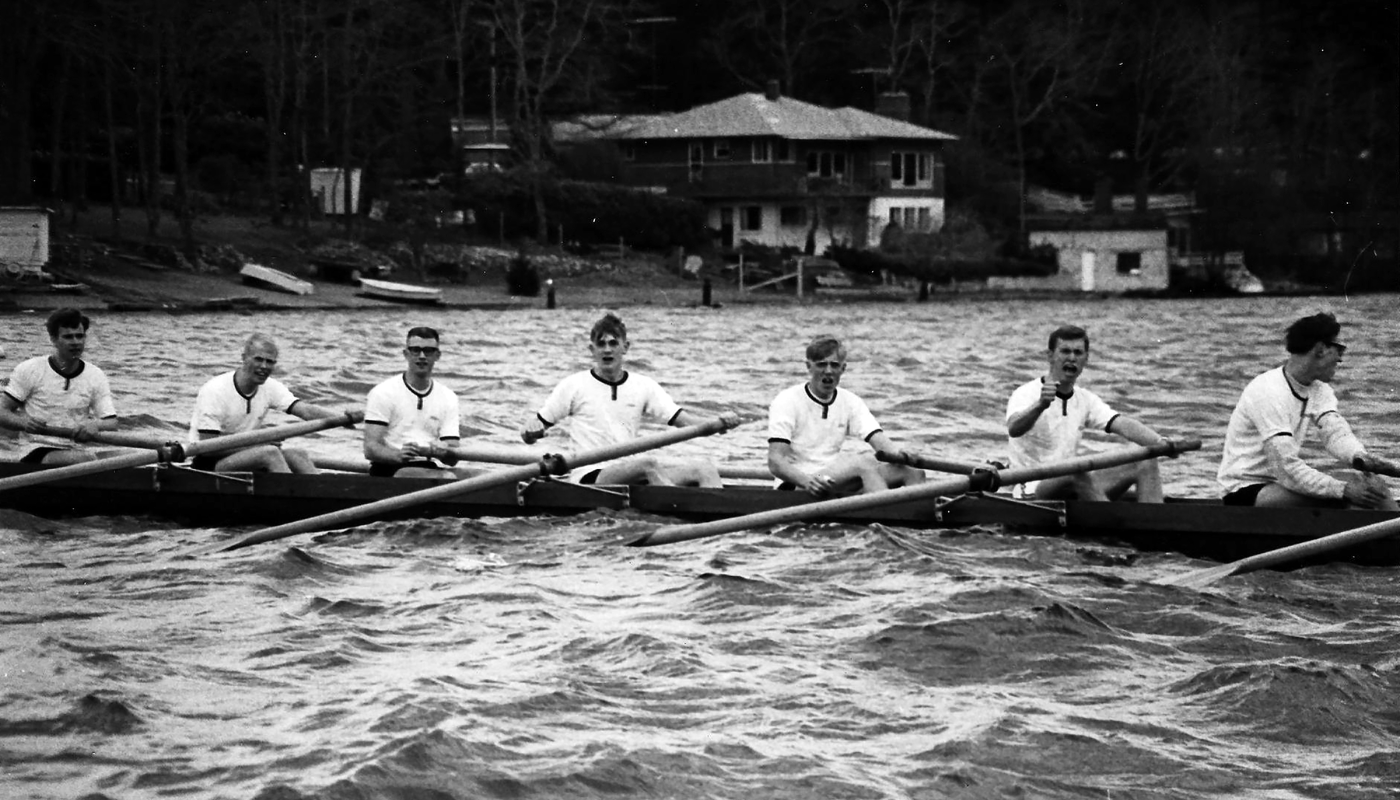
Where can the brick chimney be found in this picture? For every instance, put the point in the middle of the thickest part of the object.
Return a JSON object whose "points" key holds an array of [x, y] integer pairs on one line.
{"points": [[771, 91], [894, 105]]}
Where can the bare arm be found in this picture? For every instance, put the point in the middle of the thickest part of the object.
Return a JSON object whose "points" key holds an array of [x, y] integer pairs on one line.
{"points": [[780, 463], [686, 418], [1136, 432], [882, 443], [376, 450], [1020, 423], [12, 416]]}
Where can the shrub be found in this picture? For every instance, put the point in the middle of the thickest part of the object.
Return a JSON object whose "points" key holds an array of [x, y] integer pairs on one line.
{"points": [[522, 277]]}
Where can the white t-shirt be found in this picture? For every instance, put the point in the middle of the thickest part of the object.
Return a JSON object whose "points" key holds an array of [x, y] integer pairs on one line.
{"points": [[818, 431], [603, 414], [1056, 434], [420, 417], [53, 399], [1269, 406], [221, 409]]}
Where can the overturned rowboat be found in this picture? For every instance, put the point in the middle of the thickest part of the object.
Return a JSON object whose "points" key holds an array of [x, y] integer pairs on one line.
{"points": [[1202, 528], [275, 279]]}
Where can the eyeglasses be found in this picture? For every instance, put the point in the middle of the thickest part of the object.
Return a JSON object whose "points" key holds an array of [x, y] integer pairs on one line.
{"points": [[422, 351]]}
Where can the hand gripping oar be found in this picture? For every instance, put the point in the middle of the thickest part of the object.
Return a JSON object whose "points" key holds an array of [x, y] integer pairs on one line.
{"points": [[548, 465], [1202, 578], [936, 464], [179, 451], [982, 480]]}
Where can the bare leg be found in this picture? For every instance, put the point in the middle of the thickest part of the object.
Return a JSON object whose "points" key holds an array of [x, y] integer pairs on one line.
{"points": [[62, 458], [263, 457], [298, 461]]}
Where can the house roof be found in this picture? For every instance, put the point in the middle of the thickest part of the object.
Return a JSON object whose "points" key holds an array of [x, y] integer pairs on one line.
{"points": [[754, 114]]}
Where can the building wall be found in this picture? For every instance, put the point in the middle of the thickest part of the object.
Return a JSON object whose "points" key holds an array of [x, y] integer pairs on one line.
{"points": [[773, 231], [24, 237], [932, 209], [1150, 246]]}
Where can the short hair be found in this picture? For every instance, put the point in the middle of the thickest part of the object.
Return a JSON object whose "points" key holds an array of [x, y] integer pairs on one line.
{"points": [[257, 340], [423, 332], [610, 323], [66, 318], [823, 345], [1068, 333], [1305, 333]]}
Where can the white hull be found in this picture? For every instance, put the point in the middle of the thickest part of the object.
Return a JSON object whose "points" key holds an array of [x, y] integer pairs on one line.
{"points": [[399, 292], [270, 278]]}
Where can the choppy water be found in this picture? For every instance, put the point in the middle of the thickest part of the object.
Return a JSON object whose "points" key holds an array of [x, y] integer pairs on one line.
{"points": [[536, 658]]}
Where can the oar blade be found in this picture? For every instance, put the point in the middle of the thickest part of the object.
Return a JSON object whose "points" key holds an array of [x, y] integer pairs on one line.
{"points": [[1201, 578]]}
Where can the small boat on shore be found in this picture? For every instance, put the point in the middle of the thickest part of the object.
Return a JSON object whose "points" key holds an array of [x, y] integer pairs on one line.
{"points": [[276, 279], [399, 292], [1201, 528]]}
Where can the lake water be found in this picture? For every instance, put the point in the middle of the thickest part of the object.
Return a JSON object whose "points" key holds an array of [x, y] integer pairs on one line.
{"points": [[538, 658]]}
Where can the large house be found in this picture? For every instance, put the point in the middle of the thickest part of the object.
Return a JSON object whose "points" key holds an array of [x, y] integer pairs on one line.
{"points": [[777, 171]]}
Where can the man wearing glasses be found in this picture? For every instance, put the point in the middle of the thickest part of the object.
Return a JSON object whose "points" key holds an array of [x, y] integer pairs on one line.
{"points": [[238, 401], [1261, 465], [412, 423], [808, 425]]}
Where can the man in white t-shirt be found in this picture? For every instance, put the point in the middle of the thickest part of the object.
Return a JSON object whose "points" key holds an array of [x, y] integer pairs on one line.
{"points": [[238, 401], [59, 390], [808, 425], [1045, 420], [1261, 465], [605, 406], [412, 421]]}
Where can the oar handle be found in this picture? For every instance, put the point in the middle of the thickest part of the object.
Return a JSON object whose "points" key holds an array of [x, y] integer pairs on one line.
{"points": [[1376, 466], [550, 464], [988, 480], [920, 461], [115, 438]]}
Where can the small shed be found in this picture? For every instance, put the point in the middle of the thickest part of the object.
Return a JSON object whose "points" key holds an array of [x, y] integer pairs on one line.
{"points": [[328, 189], [24, 241]]}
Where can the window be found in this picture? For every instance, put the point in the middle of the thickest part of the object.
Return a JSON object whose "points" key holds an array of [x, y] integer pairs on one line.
{"points": [[752, 218], [761, 151], [783, 151], [1129, 263], [697, 161], [721, 149], [792, 216], [825, 164], [896, 216], [629, 151], [910, 218], [925, 219], [911, 169]]}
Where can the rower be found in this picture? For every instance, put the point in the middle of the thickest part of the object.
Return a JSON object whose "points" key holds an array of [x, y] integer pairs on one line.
{"points": [[808, 425], [1261, 465], [412, 421], [60, 389], [1046, 418], [606, 405], [238, 401]]}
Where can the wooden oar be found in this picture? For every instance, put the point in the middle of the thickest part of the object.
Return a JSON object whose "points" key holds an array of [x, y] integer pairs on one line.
{"points": [[362, 466], [980, 481], [1202, 578], [548, 465], [936, 464], [179, 451], [116, 438]]}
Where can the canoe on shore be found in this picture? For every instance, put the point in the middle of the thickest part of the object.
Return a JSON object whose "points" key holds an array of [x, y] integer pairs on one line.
{"points": [[1202, 528], [399, 292]]}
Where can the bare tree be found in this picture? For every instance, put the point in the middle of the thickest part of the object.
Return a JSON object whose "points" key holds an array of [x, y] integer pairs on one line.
{"points": [[556, 48], [765, 39], [1047, 56]]}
